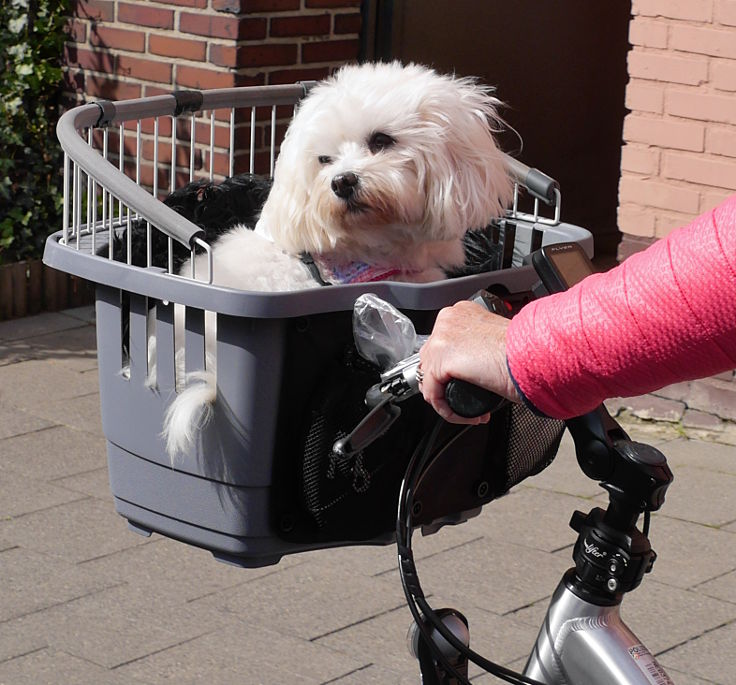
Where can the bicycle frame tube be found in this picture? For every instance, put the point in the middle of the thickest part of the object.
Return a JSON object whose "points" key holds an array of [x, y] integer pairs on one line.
{"points": [[585, 644]]}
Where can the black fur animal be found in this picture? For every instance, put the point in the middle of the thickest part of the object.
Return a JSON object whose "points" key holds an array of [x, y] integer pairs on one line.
{"points": [[214, 207]]}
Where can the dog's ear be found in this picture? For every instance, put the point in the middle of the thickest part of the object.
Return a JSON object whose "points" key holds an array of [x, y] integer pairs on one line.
{"points": [[289, 216], [280, 211], [466, 182]]}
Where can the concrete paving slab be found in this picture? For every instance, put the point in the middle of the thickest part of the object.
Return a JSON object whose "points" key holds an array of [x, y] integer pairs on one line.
{"points": [[322, 599], [699, 454], [374, 560], [690, 553], [94, 483], [16, 644], [52, 667], [15, 421], [25, 496], [242, 653], [82, 412], [534, 518], [497, 576], [374, 674], [77, 531], [30, 383], [14, 352], [686, 679], [369, 560], [33, 582], [176, 572], [46, 323], [723, 587], [699, 495], [76, 347], [53, 452], [121, 624], [710, 656], [499, 638], [650, 608], [85, 314], [379, 640]]}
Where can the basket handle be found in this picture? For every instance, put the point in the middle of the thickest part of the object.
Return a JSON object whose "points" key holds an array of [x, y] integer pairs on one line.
{"points": [[122, 188], [540, 185]]}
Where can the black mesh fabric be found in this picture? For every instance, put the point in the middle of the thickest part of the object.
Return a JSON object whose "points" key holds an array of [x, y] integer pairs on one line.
{"points": [[533, 442], [355, 499], [352, 498]]}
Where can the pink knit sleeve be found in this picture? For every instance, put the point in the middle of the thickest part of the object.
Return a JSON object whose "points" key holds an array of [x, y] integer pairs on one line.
{"points": [[666, 314]]}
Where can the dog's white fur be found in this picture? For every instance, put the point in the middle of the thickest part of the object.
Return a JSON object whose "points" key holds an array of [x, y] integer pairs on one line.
{"points": [[433, 173]]}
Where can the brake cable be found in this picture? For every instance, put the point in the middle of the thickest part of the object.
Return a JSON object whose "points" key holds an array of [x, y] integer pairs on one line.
{"points": [[418, 606]]}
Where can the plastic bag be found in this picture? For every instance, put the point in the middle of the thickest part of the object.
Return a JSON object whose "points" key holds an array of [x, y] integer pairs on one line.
{"points": [[383, 335]]}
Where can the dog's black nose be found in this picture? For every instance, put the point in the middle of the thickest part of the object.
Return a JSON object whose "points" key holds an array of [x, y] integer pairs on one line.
{"points": [[343, 185]]}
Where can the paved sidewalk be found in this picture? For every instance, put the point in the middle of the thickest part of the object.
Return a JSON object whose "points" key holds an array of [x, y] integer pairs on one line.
{"points": [[84, 601]]}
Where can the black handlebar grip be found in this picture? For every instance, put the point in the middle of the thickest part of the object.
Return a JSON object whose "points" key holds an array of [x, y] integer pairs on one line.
{"points": [[468, 400]]}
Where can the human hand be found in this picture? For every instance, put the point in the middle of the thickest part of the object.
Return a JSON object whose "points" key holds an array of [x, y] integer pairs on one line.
{"points": [[468, 343]]}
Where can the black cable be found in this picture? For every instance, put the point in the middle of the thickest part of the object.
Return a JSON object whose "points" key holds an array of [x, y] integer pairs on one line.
{"points": [[412, 589], [403, 538]]}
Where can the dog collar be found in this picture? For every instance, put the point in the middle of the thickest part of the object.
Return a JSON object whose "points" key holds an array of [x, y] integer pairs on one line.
{"points": [[327, 271]]}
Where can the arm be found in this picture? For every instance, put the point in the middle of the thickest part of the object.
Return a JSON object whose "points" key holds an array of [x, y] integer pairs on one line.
{"points": [[666, 314]]}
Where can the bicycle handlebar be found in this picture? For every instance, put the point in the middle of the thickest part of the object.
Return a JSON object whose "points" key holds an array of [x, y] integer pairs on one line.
{"points": [[464, 398]]}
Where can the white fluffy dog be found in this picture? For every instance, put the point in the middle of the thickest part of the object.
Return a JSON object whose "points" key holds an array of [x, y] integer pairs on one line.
{"points": [[383, 169]]}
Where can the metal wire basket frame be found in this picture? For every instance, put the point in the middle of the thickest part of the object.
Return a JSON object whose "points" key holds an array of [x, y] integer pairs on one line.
{"points": [[100, 197], [113, 200]]}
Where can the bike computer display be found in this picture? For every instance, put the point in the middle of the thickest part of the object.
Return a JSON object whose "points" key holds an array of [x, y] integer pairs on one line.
{"points": [[561, 266]]}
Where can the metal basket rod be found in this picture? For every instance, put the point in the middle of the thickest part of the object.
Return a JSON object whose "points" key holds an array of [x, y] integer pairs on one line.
{"points": [[126, 191]]}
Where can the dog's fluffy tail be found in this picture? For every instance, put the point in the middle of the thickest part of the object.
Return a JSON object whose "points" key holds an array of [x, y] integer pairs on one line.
{"points": [[189, 412]]}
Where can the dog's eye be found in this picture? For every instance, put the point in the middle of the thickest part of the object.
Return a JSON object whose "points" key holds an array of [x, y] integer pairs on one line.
{"points": [[379, 141], [324, 159]]}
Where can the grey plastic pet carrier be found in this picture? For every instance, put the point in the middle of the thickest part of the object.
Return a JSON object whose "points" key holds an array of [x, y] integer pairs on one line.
{"points": [[263, 481]]}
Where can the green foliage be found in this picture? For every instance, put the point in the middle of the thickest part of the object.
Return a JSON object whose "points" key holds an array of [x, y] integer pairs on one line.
{"points": [[32, 34]]}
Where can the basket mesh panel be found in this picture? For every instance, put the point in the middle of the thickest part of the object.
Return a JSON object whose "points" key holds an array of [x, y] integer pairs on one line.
{"points": [[355, 498], [533, 442]]}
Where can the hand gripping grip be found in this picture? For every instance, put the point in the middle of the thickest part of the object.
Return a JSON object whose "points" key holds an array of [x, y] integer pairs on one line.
{"points": [[468, 400]]}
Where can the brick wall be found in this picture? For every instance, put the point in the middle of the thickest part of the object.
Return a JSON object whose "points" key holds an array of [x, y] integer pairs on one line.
{"points": [[679, 156], [120, 49]]}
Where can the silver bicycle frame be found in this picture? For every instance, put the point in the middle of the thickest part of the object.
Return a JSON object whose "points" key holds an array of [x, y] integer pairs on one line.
{"points": [[584, 644]]}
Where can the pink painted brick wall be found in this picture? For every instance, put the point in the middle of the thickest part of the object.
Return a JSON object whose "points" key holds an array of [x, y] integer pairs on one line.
{"points": [[679, 155]]}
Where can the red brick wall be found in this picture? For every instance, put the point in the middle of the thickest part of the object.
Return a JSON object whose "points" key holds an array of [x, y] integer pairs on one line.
{"points": [[679, 157], [120, 49]]}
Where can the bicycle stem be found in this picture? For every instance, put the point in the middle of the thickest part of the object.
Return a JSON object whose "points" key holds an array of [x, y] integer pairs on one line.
{"points": [[611, 555]]}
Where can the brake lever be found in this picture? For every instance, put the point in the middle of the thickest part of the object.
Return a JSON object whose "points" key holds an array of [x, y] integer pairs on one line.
{"points": [[373, 426], [397, 384]]}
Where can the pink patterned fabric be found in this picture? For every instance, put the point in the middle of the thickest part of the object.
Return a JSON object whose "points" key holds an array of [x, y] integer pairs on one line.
{"points": [[664, 315], [351, 272]]}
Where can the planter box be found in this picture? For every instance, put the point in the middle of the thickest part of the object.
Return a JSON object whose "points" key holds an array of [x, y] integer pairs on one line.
{"points": [[31, 287]]}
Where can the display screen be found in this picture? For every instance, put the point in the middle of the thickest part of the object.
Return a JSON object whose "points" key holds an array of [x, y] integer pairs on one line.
{"points": [[570, 261]]}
